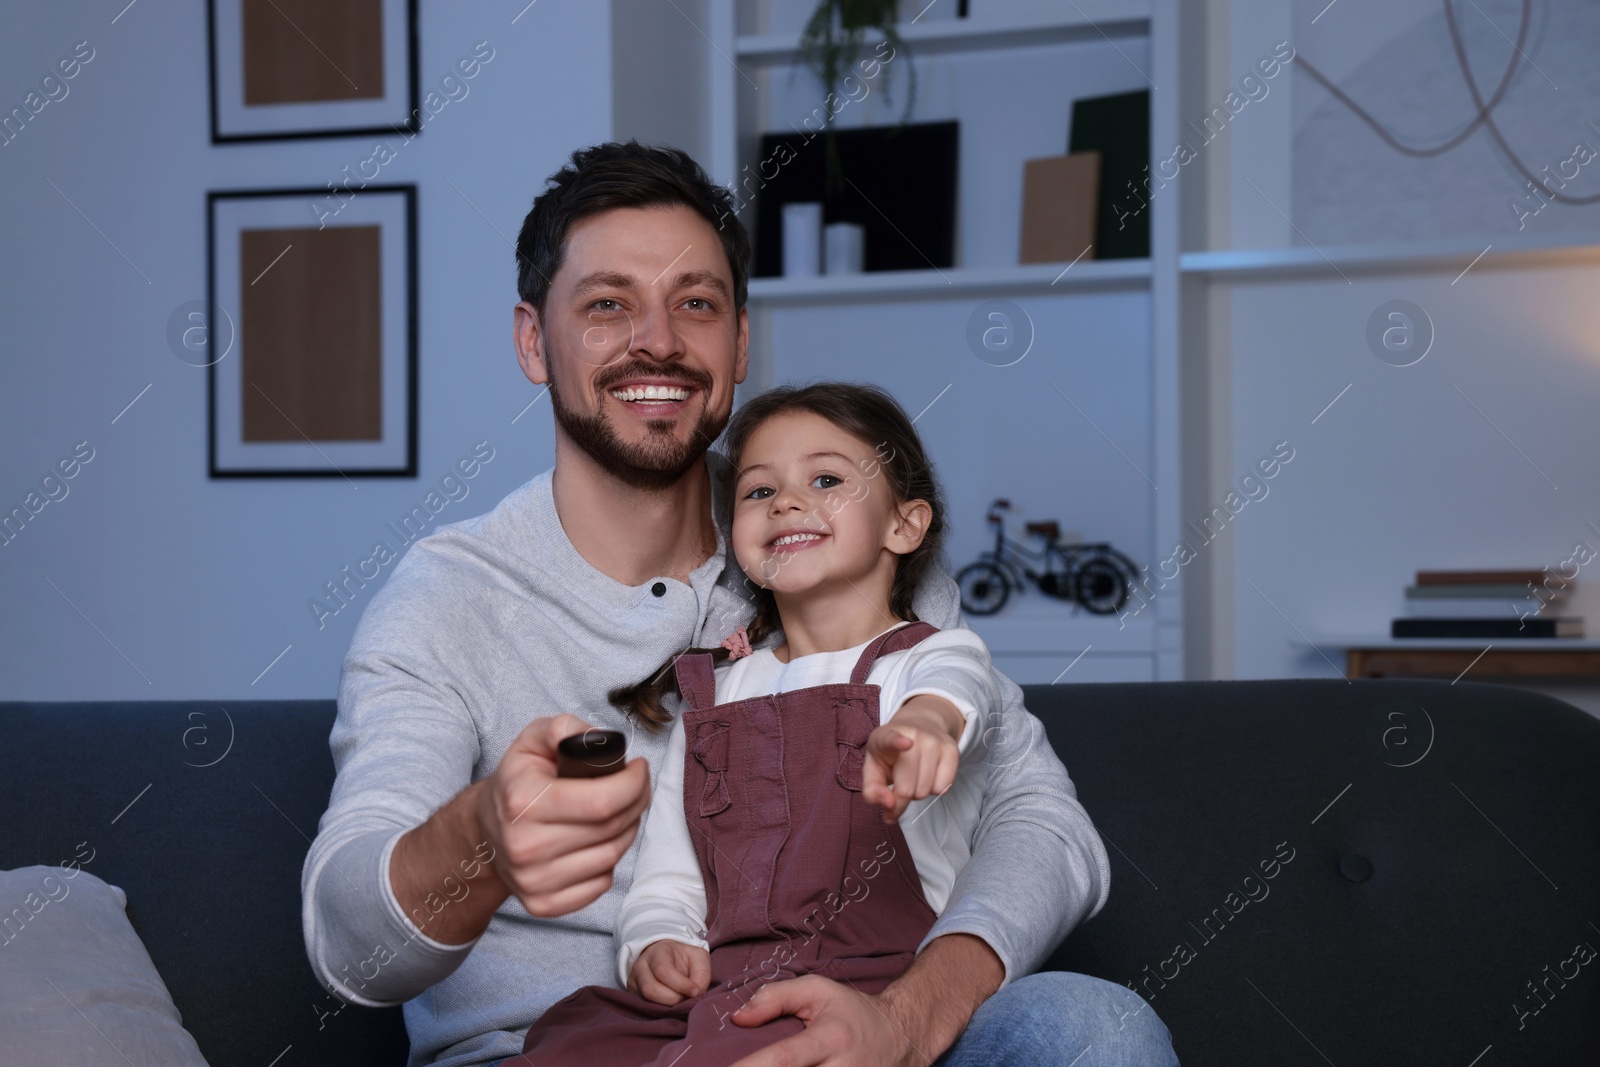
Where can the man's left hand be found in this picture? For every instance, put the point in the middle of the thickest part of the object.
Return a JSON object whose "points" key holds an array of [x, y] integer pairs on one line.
{"points": [[844, 1028]]}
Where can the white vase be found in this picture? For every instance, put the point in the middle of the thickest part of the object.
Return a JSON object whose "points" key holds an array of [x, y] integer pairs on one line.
{"points": [[802, 240], [843, 245]]}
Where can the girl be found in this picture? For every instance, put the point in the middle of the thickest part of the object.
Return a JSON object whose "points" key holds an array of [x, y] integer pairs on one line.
{"points": [[776, 845]]}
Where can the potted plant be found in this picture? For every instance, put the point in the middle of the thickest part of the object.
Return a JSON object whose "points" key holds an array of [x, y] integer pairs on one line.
{"points": [[829, 45]]}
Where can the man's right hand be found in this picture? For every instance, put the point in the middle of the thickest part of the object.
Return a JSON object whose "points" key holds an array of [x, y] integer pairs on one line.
{"points": [[557, 840]]}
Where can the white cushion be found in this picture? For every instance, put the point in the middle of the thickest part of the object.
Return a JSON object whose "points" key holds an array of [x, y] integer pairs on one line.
{"points": [[76, 984]]}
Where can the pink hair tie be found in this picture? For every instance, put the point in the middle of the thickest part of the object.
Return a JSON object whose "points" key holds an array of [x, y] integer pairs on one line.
{"points": [[737, 644]]}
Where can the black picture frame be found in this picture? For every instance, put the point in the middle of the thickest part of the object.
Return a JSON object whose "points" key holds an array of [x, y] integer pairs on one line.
{"points": [[401, 114], [222, 326]]}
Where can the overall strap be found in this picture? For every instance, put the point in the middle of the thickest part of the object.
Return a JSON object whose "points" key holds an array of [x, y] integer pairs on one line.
{"points": [[696, 681], [896, 640]]}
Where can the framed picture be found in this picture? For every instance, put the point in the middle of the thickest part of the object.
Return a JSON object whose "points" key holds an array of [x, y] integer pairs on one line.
{"points": [[908, 172], [317, 330], [312, 68]]}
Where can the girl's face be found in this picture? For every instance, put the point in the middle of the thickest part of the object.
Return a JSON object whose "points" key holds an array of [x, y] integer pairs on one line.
{"points": [[813, 508]]}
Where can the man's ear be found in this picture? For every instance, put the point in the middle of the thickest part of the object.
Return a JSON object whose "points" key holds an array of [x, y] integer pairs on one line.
{"points": [[528, 337], [741, 358], [909, 526]]}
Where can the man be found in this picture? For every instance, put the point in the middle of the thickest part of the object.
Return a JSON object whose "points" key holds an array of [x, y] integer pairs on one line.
{"points": [[453, 872]]}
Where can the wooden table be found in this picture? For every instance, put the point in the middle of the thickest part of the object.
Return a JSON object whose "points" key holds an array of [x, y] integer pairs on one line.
{"points": [[1422, 657]]}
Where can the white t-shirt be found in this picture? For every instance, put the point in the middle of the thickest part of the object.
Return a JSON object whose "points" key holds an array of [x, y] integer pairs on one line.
{"points": [[668, 897]]}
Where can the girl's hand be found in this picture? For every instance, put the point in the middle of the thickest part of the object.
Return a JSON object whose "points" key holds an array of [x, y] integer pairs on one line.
{"points": [[913, 755], [666, 972]]}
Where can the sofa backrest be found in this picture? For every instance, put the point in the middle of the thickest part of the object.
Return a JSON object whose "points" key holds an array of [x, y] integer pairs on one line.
{"points": [[209, 856], [1362, 872], [1445, 844]]}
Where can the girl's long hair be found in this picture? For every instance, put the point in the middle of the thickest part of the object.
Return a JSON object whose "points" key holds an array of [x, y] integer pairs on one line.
{"points": [[866, 412]]}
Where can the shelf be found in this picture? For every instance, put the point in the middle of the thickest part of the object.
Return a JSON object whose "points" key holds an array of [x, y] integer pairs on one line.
{"points": [[1475, 644], [1452, 254], [975, 61], [1028, 279], [1034, 624], [1105, 20]]}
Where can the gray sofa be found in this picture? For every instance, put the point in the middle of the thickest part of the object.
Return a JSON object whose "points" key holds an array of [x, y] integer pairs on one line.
{"points": [[1304, 872]]}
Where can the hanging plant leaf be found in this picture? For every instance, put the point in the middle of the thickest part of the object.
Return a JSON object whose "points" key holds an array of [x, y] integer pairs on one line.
{"points": [[829, 45]]}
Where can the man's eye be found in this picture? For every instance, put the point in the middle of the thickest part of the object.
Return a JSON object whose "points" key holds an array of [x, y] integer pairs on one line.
{"points": [[605, 300], [830, 481], [699, 300]]}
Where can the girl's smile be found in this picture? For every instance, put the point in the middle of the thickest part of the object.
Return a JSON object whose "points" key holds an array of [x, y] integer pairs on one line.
{"points": [[796, 540]]}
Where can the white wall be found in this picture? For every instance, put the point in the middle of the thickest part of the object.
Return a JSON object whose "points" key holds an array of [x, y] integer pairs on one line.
{"points": [[1403, 473], [662, 62], [149, 580], [1350, 188]]}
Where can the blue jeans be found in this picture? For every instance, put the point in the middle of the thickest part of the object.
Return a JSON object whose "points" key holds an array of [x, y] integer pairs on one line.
{"points": [[1061, 1019]]}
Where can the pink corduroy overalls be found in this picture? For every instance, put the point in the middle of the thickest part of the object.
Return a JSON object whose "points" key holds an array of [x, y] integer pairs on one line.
{"points": [[802, 875]]}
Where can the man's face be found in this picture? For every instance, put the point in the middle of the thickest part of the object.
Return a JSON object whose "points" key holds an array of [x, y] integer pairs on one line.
{"points": [[639, 342]]}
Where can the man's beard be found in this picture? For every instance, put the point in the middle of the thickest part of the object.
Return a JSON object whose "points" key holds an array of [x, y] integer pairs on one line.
{"points": [[661, 460]]}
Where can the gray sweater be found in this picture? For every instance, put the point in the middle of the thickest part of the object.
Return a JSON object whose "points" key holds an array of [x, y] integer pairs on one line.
{"points": [[491, 622]]}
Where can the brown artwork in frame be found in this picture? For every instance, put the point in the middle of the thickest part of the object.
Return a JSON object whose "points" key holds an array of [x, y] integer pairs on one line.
{"points": [[318, 377], [317, 293], [304, 51], [312, 68]]}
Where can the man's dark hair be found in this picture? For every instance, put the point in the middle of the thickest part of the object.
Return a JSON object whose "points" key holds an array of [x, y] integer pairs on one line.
{"points": [[613, 175]]}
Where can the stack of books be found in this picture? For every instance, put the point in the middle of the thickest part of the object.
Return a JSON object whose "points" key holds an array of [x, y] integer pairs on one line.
{"points": [[1485, 605]]}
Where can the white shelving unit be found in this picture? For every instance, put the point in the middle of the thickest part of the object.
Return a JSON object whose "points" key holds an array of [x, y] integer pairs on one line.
{"points": [[1472, 644], [1039, 641], [956, 281], [1107, 316], [1407, 256], [1114, 21]]}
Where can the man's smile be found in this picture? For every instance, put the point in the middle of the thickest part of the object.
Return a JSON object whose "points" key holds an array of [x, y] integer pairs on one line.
{"points": [[651, 392]]}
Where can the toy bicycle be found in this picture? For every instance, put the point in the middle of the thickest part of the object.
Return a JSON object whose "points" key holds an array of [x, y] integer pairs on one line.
{"points": [[1092, 574]]}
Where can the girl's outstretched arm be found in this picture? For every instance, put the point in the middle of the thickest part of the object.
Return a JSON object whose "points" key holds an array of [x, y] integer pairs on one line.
{"points": [[1038, 866]]}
